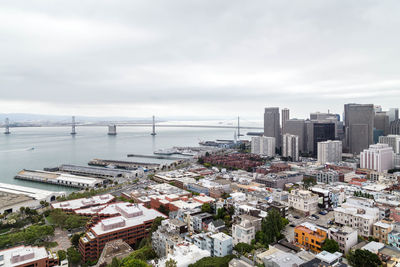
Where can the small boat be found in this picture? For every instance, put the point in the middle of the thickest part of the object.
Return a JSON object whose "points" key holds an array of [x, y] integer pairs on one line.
{"points": [[29, 149]]}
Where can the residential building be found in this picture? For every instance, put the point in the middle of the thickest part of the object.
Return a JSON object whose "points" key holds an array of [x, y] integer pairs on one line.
{"points": [[303, 201], [346, 237], [394, 236], [310, 237], [245, 228], [129, 222], [26, 256], [296, 127], [378, 157], [324, 197], [290, 146], [219, 244], [359, 125], [329, 152], [184, 254], [392, 140], [168, 235], [114, 249], [279, 258], [271, 125], [216, 226], [200, 221], [327, 176], [222, 245], [381, 230], [357, 215], [240, 263], [279, 180], [326, 259], [263, 145]]}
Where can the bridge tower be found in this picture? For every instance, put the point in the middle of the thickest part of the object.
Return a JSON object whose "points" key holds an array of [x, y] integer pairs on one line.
{"points": [[7, 126], [73, 132], [112, 129], [238, 128], [154, 126]]}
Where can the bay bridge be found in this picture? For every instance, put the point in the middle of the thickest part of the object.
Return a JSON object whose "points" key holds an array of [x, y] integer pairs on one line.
{"points": [[112, 126]]}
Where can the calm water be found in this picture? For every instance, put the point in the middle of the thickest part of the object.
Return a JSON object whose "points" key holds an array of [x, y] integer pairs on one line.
{"points": [[55, 146]]}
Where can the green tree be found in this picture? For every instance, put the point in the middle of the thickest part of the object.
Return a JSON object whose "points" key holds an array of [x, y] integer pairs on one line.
{"points": [[363, 258], [271, 228], [116, 262], [243, 248], [171, 263], [206, 207], [213, 261], [73, 255], [62, 255], [75, 240], [136, 263], [330, 245]]}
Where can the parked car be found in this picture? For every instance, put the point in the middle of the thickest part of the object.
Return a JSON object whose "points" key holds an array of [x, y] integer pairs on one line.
{"points": [[292, 225], [315, 216], [323, 212], [296, 217]]}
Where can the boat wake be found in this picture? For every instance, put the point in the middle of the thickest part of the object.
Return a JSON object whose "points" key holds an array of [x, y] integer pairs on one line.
{"points": [[17, 150]]}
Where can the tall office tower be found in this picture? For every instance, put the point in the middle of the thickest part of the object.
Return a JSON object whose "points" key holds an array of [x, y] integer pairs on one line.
{"points": [[263, 145], [290, 146], [318, 131], [393, 114], [329, 117], [378, 157], [395, 127], [271, 125], [296, 127], [285, 117], [329, 151], [359, 126], [392, 140], [381, 125]]}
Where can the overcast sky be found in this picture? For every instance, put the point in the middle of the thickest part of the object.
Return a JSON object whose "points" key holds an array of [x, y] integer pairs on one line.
{"points": [[197, 58]]}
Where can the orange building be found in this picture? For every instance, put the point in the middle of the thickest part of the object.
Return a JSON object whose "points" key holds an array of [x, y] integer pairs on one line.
{"points": [[310, 236]]}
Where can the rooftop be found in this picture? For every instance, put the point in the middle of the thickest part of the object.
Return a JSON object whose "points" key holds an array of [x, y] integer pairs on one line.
{"points": [[22, 255]]}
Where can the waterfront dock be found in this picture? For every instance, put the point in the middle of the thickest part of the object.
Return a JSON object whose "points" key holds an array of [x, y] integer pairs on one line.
{"points": [[128, 165], [154, 157]]}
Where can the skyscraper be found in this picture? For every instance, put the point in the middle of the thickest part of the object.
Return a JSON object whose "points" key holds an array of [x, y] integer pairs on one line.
{"points": [[271, 125], [290, 146], [285, 117], [359, 126], [318, 131], [393, 114], [381, 125], [296, 127]]}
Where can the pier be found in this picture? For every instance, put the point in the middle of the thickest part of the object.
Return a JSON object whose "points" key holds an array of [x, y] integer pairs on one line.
{"points": [[128, 165], [154, 157]]}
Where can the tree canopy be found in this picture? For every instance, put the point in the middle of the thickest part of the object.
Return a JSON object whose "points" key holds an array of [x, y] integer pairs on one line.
{"points": [[363, 258], [330, 245], [213, 261], [271, 227]]}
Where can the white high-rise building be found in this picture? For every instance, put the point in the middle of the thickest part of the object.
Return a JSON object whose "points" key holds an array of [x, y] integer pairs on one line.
{"points": [[329, 151], [377, 157], [290, 146], [392, 140], [263, 145]]}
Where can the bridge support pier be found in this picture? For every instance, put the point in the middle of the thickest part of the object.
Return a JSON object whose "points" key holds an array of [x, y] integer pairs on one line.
{"points": [[112, 129]]}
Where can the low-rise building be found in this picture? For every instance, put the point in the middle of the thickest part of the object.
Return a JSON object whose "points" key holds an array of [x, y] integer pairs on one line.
{"points": [[303, 201], [168, 235], [346, 237], [219, 244], [132, 224], [25, 256], [357, 216], [279, 180], [381, 230], [327, 176], [326, 259], [310, 237], [245, 228]]}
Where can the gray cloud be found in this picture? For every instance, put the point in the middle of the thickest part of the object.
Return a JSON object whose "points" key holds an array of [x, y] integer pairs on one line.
{"points": [[204, 57]]}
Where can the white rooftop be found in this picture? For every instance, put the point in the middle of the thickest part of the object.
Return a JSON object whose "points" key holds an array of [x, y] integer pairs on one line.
{"points": [[35, 193], [19, 256], [123, 221], [327, 257], [83, 202], [373, 246]]}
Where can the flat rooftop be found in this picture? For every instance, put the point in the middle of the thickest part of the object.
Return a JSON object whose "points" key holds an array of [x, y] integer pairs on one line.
{"points": [[34, 193], [22, 255], [83, 202]]}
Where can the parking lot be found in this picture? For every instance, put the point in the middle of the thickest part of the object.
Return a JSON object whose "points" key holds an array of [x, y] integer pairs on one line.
{"points": [[322, 221]]}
